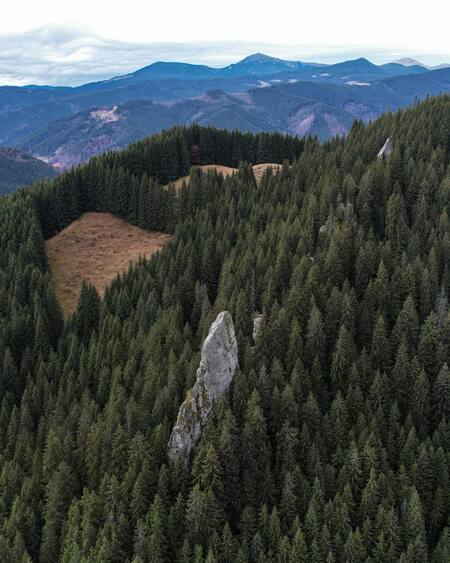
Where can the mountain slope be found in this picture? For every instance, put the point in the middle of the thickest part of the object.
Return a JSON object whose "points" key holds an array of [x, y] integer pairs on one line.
{"points": [[25, 110], [332, 441], [71, 141], [399, 69], [19, 169], [300, 108], [263, 65], [412, 63]]}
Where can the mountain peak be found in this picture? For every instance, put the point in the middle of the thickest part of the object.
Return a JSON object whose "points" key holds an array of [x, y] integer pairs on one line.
{"points": [[259, 63], [362, 61], [408, 61], [258, 58]]}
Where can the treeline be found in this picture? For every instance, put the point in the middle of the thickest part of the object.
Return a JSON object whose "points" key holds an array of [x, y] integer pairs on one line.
{"points": [[131, 183], [333, 444], [170, 154]]}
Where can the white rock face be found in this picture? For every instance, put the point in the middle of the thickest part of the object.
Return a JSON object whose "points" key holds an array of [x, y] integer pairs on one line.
{"points": [[386, 149], [218, 364]]}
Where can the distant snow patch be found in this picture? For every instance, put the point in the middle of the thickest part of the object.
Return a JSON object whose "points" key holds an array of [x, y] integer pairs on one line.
{"points": [[106, 115], [118, 78], [292, 80], [263, 84], [325, 74], [356, 83]]}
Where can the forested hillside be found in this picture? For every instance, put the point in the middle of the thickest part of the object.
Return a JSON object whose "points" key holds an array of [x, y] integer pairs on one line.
{"points": [[19, 169], [291, 105], [334, 442]]}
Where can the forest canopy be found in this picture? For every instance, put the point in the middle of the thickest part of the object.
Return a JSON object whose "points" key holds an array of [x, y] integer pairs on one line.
{"points": [[334, 441]]}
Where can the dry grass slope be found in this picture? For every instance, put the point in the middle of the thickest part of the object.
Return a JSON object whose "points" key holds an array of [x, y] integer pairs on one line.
{"points": [[258, 170], [96, 248]]}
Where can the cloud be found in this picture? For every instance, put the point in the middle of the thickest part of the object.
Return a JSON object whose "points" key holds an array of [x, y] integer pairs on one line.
{"points": [[71, 56], [67, 57]]}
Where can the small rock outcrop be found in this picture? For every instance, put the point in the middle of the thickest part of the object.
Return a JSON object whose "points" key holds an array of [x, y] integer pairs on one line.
{"points": [[218, 364], [257, 322], [386, 149]]}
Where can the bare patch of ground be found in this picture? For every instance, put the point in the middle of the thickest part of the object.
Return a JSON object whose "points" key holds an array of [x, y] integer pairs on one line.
{"points": [[258, 170], [301, 122], [106, 115], [225, 170], [96, 248]]}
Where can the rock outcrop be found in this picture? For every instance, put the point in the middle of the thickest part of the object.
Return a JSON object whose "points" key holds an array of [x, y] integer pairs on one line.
{"points": [[218, 364], [257, 322], [386, 149]]}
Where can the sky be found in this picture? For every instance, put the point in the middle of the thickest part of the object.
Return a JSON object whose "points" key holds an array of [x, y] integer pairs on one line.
{"points": [[69, 43]]}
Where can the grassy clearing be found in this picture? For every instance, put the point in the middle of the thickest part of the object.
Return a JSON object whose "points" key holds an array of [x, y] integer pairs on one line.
{"points": [[258, 169], [96, 248]]}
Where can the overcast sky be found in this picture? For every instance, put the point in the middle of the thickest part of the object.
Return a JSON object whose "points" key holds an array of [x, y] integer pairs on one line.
{"points": [[55, 42]]}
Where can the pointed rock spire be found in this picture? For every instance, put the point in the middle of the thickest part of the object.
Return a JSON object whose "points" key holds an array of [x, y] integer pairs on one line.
{"points": [[218, 364]]}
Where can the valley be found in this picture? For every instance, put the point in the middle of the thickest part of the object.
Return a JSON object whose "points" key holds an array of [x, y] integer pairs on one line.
{"points": [[18, 169], [323, 108]]}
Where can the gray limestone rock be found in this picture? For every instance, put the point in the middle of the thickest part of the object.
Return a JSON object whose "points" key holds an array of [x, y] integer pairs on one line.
{"points": [[218, 364], [386, 149]]}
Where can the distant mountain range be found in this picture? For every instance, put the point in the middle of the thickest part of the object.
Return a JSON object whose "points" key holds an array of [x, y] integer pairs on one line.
{"points": [[19, 169], [66, 126], [408, 62]]}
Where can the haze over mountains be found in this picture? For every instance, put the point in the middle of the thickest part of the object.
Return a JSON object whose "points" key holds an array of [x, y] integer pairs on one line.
{"points": [[66, 126]]}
